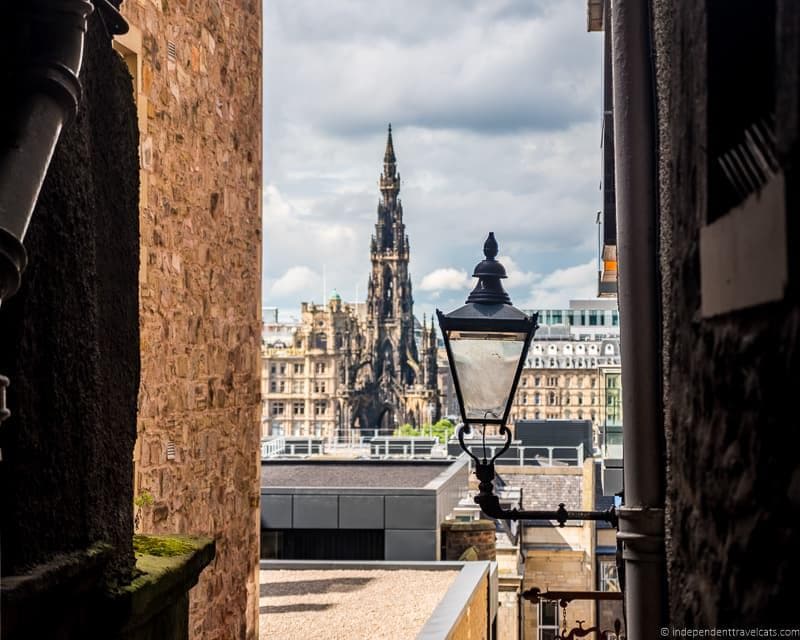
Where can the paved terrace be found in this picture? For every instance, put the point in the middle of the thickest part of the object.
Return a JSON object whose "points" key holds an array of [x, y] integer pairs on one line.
{"points": [[349, 604]]}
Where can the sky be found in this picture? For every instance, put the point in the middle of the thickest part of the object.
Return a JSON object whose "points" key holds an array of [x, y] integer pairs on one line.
{"points": [[495, 108]]}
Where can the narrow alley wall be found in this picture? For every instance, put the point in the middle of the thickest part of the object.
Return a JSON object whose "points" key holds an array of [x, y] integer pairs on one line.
{"points": [[69, 337], [732, 375], [199, 92]]}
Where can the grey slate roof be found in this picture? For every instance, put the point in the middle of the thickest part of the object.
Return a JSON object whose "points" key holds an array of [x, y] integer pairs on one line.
{"points": [[333, 474]]}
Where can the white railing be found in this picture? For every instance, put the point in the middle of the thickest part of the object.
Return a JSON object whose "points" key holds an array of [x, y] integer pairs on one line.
{"points": [[272, 447], [403, 446], [544, 456]]}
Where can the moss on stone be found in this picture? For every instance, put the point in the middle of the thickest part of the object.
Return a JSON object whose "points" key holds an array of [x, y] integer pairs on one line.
{"points": [[162, 546]]}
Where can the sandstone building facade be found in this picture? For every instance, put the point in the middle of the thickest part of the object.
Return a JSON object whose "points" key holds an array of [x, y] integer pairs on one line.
{"points": [[571, 380], [197, 72], [359, 366]]}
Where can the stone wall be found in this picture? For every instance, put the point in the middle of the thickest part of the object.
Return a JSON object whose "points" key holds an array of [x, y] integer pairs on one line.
{"points": [[558, 571], [731, 380], [474, 624], [461, 536], [199, 92], [70, 334]]}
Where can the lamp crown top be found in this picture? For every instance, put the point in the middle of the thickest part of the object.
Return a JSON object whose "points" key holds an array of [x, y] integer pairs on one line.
{"points": [[490, 247], [489, 290]]}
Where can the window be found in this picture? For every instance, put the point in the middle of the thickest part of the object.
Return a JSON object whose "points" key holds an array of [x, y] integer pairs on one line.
{"points": [[319, 386], [548, 620], [298, 368], [537, 399], [273, 368], [552, 397], [593, 318], [537, 415], [607, 575], [524, 381], [298, 408], [319, 367], [615, 318], [298, 386], [321, 341], [320, 407], [278, 408], [273, 386], [537, 381], [277, 386], [524, 398]]}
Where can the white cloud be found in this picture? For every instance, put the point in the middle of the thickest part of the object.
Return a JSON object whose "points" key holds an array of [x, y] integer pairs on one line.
{"points": [[298, 279], [516, 275], [557, 288], [496, 128], [447, 279]]}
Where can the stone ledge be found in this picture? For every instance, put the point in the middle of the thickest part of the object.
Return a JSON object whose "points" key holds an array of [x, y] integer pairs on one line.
{"points": [[54, 587], [474, 525], [170, 566]]}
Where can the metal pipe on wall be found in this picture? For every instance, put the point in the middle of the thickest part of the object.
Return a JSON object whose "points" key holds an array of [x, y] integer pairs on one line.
{"points": [[641, 517], [47, 98]]}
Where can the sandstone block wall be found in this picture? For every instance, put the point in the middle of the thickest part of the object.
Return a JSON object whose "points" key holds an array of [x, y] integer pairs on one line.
{"points": [[558, 571], [199, 93], [460, 536], [474, 624]]}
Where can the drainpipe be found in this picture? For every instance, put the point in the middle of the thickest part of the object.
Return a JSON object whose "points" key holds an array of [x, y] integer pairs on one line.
{"points": [[47, 100], [641, 518]]}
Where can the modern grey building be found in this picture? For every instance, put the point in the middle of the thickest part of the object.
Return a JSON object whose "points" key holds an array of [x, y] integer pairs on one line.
{"points": [[357, 509]]}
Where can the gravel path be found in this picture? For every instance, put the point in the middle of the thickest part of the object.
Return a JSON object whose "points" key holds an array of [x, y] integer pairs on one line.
{"points": [[349, 605]]}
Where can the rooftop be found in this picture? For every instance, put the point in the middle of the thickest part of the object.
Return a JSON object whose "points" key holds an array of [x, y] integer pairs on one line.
{"points": [[334, 473], [355, 600]]}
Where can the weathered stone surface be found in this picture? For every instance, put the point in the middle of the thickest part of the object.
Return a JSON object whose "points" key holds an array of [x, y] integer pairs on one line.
{"points": [[70, 335], [460, 537], [731, 381], [199, 289]]}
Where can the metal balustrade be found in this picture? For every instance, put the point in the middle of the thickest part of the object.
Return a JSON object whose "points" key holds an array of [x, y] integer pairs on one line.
{"points": [[521, 455]]}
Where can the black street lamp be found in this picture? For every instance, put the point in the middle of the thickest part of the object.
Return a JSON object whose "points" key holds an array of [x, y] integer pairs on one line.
{"points": [[487, 341]]}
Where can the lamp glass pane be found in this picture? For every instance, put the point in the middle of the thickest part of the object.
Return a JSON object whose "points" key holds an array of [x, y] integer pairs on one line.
{"points": [[485, 364]]}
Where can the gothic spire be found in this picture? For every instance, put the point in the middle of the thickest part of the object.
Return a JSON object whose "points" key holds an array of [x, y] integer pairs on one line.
{"points": [[390, 180], [388, 156]]}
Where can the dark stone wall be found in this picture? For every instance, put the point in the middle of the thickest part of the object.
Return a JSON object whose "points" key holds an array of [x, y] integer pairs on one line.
{"points": [[70, 336], [731, 382]]}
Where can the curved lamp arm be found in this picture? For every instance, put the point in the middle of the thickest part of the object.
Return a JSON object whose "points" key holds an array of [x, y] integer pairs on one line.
{"points": [[490, 504]]}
